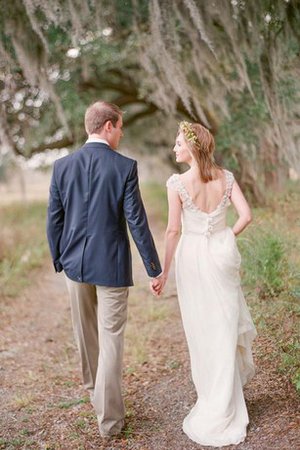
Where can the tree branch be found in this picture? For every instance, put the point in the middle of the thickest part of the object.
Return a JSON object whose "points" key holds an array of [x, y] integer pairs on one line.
{"points": [[150, 110], [108, 83], [60, 143]]}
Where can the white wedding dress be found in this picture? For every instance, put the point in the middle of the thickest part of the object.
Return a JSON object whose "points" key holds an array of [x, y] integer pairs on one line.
{"points": [[216, 320]]}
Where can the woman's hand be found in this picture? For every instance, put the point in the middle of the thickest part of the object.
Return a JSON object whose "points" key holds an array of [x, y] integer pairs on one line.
{"points": [[157, 284]]}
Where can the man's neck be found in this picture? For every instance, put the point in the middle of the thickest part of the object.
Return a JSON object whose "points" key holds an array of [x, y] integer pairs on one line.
{"points": [[97, 136]]}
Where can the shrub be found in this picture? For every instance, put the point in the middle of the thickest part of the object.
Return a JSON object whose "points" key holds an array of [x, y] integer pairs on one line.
{"points": [[265, 263]]}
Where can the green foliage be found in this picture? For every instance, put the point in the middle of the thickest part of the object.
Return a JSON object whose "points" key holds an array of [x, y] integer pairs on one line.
{"points": [[247, 116], [265, 265], [22, 244], [271, 280], [278, 318], [155, 198]]}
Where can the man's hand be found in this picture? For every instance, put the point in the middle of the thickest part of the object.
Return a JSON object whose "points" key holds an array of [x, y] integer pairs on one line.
{"points": [[157, 284]]}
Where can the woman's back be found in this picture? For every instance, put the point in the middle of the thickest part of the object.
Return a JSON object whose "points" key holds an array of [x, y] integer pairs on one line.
{"points": [[205, 196]]}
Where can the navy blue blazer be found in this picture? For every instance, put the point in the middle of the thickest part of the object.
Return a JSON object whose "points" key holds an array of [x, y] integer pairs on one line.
{"points": [[94, 193]]}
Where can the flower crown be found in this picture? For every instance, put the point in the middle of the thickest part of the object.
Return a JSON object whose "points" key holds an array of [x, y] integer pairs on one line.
{"points": [[186, 128]]}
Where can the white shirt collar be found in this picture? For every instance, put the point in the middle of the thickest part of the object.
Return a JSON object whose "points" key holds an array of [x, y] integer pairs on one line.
{"points": [[98, 140]]}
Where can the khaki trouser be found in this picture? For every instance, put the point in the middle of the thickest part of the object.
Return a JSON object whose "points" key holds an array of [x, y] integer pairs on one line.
{"points": [[99, 316]]}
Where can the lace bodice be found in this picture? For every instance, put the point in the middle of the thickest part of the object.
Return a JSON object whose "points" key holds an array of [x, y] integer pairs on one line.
{"points": [[195, 220]]}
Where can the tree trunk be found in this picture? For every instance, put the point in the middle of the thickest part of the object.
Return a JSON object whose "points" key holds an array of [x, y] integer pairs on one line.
{"points": [[248, 180]]}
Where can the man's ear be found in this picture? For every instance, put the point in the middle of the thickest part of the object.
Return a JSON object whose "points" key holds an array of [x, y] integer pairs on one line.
{"points": [[108, 126]]}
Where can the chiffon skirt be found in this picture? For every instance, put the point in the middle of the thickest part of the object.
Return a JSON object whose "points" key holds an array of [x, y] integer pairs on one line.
{"points": [[219, 332]]}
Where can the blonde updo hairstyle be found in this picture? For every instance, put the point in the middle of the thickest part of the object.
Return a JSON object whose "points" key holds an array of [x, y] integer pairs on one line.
{"points": [[202, 145]]}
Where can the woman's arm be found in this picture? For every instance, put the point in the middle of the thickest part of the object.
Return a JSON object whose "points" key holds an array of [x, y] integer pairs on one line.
{"points": [[242, 208], [171, 237], [173, 229]]}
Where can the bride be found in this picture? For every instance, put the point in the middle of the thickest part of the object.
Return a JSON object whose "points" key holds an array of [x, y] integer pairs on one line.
{"points": [[217, 324]]}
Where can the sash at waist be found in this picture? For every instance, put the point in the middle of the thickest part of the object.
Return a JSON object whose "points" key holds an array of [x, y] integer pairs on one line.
{"points": [[207, 232]]}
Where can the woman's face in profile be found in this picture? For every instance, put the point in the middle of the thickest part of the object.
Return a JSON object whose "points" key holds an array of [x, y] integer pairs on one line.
{"points": [[181, 149]]}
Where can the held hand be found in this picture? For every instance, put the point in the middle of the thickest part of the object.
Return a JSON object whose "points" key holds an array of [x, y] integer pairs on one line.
{"points": [[157, 285]]}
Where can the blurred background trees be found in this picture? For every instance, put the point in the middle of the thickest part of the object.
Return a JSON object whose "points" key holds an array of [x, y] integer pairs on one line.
{"points": [[229, 64]]}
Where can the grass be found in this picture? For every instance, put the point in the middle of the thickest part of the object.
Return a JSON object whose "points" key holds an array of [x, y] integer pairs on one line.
{"points": [[22, 401], [23, 245], [137, 345], [155, 199], [11, 443], [266, 265], [271, 278], [73, 402]]}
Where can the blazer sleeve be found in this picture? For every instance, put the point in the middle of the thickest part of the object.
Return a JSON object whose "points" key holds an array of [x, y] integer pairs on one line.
{"points": [[55, 222], [138, 224]]}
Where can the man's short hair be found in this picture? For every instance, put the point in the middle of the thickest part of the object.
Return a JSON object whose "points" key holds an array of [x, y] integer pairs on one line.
{"points": [[98, 114]]}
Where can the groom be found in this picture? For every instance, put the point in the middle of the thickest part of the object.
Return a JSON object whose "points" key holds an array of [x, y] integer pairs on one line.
{"points": [[94, 195]]}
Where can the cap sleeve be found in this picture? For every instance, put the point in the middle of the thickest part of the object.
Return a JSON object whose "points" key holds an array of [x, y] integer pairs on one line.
{"points": [[229, 182], [172, 182]]}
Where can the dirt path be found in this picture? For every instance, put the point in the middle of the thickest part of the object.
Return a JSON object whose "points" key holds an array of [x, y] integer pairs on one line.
{"points": [[43, 405]]}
